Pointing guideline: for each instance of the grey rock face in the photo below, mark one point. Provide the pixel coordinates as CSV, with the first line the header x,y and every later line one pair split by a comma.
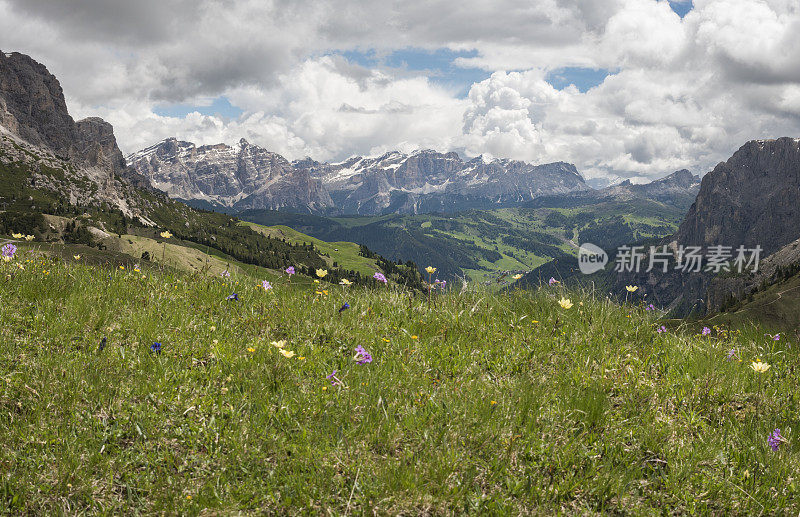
x,y
34,105
748,200
98,146
751,199
427,181
241,177
34,117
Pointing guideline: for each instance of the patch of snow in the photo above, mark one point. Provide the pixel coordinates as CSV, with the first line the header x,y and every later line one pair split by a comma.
x,y
427,188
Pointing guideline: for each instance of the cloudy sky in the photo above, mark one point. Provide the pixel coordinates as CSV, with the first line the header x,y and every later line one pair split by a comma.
x,y
622,88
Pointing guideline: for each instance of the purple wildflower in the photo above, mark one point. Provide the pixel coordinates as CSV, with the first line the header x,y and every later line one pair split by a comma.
x,y
225,274
650,307
344,307
266,285
706,331
9,250
380,278
290,270
362,356
552,281
233,297
775,439
731,354
334,380
661,329
156,348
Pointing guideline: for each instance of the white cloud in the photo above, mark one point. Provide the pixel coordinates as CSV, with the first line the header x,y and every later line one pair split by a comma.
x,y
683,92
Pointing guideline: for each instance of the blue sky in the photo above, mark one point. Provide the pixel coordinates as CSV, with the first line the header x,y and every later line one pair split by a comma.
x,y
681,7
220,106
438,65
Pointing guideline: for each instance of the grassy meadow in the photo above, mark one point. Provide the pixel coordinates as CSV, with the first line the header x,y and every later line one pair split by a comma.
x,y
474,402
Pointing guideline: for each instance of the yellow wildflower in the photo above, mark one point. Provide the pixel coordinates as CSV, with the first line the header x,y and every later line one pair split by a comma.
x,y
322,272
430,269
287,353
279,344
166,234
251,349
631,288
565,303
16,235
29,238
76,257
345,281
517,276
759,366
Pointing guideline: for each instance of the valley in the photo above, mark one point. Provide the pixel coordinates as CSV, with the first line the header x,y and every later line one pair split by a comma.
x,y
484,245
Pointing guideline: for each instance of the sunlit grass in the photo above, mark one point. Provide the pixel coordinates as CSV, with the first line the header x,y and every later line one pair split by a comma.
x,y
478,402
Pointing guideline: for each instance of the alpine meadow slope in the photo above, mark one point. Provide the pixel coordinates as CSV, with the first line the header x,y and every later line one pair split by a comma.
x,y
161,392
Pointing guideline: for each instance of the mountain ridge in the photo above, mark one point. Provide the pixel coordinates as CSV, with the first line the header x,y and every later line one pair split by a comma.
x,y
423,181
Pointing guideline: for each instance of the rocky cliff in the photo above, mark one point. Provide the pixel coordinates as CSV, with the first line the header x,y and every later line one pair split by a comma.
x,y
80,161
750,199
241,177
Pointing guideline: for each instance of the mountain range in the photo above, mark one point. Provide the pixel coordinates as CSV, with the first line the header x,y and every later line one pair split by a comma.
x,y
246,177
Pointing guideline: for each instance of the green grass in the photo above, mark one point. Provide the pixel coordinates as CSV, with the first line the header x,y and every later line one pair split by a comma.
x,y
345,254
505,403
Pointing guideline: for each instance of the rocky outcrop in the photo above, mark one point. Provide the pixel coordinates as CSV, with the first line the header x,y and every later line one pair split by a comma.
x,y
241,177
97,145
751,199
79,160
33,104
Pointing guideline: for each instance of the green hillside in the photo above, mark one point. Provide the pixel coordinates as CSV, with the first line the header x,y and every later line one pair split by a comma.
x,y
482,245
473,403
342,254
776,306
